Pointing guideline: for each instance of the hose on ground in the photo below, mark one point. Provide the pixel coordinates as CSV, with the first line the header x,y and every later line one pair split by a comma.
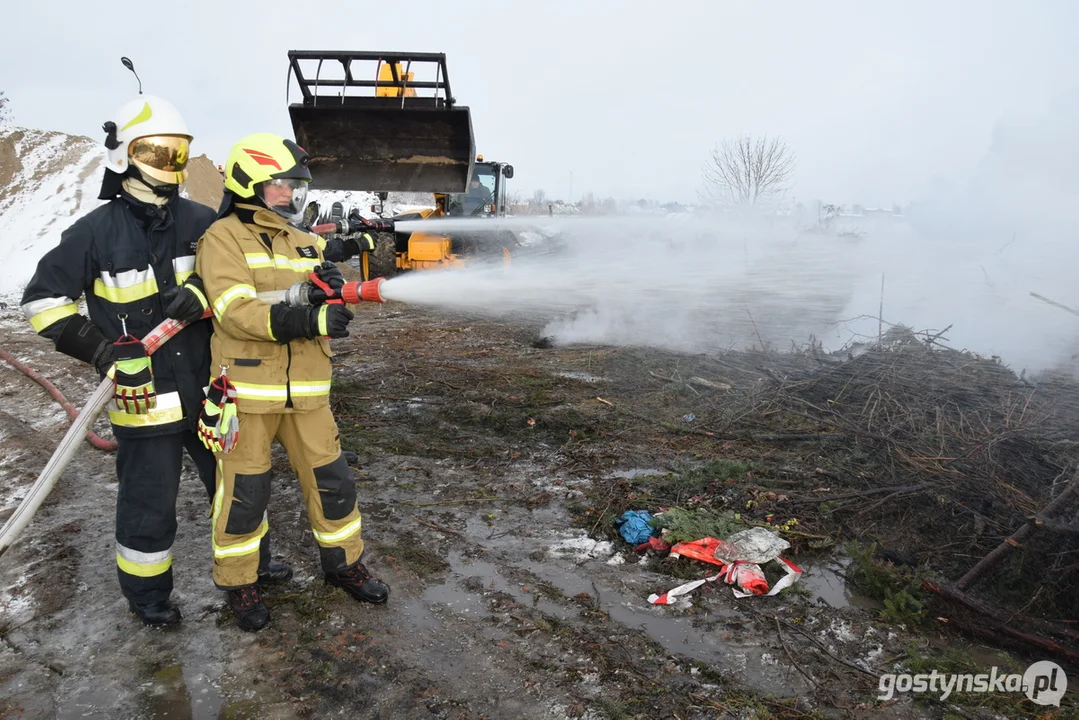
x,y
72,413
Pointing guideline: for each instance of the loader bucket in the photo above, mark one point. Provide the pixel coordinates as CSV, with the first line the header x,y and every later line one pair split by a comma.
x,y
375,144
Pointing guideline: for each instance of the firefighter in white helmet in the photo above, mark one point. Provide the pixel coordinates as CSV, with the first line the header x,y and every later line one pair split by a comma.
x,y
133,258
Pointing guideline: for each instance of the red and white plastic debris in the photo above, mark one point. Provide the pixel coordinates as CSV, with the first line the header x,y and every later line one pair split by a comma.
x,y
741,556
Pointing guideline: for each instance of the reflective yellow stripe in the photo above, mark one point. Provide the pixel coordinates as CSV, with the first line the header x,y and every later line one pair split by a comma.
x,y
143,564
321,243
44,319
335,537
258,260
168,410
219,493
131,293
254,391
202,298
183,267
245,548
141,570
310,389
127,286
322,311
298,264
281,262
236,291
269,326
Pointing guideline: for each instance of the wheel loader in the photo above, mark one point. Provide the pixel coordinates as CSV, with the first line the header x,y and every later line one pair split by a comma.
x,y
370,121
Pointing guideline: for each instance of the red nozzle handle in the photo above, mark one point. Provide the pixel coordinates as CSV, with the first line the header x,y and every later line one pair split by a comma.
x,y
367,291
324,229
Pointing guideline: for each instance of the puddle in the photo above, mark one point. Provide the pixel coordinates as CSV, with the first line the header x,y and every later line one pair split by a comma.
x,y
826,582
177,692
472,579
530,543
687,636
171,693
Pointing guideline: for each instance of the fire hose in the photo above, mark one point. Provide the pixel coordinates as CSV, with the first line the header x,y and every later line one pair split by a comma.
x,y
72,439
72,413
310,292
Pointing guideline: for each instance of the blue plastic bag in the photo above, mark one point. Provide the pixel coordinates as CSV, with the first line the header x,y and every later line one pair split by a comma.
x,y
634,527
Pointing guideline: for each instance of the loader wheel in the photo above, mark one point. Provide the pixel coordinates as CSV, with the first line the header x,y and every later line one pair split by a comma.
x,y
383,261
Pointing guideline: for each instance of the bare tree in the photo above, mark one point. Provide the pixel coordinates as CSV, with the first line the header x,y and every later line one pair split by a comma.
x,y
517,205
745,171
5,111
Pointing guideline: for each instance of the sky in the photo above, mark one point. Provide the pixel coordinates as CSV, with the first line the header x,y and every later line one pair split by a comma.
x,y
881,102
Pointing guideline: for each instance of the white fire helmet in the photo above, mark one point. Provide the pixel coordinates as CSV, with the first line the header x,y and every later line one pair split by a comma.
x,y
150,134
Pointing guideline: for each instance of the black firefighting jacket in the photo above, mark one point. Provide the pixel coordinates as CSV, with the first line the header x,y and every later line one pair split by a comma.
x,y
128,259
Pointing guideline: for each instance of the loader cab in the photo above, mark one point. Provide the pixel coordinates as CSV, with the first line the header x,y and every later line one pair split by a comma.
x,y
486,194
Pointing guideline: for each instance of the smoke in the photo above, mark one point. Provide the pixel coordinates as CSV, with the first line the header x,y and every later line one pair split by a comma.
x,y
965,259
686,283
974,253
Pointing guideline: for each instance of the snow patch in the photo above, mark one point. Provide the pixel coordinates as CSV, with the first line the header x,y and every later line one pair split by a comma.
x,y
842,631
580,546
16,603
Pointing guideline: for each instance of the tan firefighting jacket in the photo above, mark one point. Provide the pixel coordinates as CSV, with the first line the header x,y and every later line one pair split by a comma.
x,y
250,251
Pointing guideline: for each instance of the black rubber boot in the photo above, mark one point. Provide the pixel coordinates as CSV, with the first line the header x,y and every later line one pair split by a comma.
x,y
158,614
275,573
360,585
247,606
271,572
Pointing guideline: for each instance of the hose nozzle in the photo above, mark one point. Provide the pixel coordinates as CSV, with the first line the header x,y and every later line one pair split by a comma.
x,y
367,291
353,293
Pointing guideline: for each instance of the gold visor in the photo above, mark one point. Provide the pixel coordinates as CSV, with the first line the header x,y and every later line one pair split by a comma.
x,y
162,157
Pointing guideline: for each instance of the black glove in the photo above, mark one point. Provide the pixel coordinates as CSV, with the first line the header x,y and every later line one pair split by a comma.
x,y
331,321
290,323
329,284
355,244
82,340
104,357
190,304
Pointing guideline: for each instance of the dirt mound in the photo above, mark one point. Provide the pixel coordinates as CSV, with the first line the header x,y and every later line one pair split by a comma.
x,y
9,160
204,183
30,157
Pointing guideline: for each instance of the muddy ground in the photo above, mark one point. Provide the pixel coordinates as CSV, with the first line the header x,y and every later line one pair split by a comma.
x,y
489,475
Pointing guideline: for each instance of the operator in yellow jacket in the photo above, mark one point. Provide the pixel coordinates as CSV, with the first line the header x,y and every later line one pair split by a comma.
x,y
271,367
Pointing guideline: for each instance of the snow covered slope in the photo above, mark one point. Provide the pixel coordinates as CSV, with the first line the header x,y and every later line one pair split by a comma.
x,y
48,180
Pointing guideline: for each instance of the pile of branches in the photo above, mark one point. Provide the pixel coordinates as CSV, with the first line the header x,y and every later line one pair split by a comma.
x,y
953,448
